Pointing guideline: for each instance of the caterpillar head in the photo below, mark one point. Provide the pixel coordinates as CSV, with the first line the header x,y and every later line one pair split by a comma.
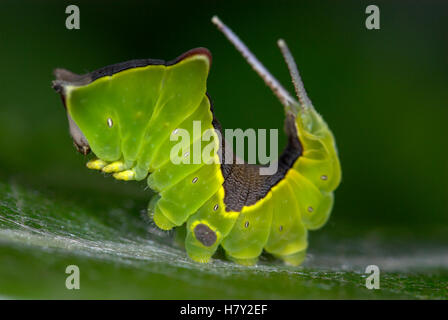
x,y
91,120
64,77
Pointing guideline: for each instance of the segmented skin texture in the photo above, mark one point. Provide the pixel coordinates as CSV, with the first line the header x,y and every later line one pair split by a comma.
x,y
127,114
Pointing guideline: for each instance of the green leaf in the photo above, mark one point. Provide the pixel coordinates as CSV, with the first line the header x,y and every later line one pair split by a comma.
x,y
121,255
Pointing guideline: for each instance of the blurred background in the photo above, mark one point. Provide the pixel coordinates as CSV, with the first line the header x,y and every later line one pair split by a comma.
x,y
384,94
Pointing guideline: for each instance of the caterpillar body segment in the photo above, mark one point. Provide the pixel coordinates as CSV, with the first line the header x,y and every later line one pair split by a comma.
x,y
185,198
208,227
133,115
288,234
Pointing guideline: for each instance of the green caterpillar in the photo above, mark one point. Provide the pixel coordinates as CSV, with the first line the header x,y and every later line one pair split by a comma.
x,y
128,113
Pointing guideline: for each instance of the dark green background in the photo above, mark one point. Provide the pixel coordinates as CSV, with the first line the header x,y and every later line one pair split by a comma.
x,y
384,94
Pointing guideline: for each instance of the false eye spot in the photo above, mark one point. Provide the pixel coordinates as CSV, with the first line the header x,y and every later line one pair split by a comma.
x,y
215,207
110,122
310,209
195,179
323,177
205,235
246,224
